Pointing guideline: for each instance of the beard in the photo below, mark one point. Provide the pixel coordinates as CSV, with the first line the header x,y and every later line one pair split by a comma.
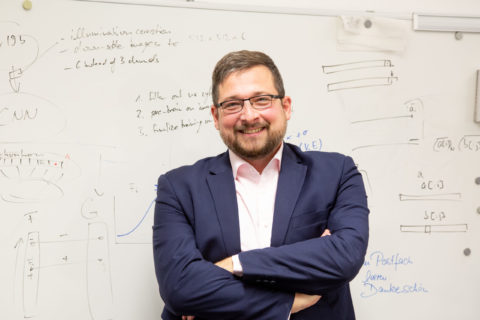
x,y
257,149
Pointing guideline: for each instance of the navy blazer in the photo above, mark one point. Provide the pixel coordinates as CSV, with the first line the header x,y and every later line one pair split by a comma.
x,y
196,224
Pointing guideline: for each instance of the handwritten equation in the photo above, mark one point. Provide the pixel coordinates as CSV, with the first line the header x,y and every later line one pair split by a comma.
x,y
467,143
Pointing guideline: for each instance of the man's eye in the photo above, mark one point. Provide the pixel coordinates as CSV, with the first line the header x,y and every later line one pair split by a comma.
x,y
262,100
232,105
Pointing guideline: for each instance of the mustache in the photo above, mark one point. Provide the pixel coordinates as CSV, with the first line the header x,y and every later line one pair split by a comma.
x,y
247,126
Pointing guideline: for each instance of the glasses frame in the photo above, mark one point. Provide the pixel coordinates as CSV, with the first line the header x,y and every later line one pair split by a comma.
x,y
242,102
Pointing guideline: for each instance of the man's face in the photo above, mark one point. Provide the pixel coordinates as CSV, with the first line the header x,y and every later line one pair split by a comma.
x,y
252,134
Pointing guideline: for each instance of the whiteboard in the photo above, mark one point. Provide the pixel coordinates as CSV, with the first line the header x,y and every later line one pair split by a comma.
x,y
97,100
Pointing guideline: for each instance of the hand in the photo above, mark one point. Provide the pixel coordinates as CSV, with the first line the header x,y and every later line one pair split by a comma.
x,y
188,317
303,301
226,264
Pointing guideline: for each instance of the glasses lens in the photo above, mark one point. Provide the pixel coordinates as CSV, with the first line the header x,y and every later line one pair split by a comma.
x,y
232,106
261,101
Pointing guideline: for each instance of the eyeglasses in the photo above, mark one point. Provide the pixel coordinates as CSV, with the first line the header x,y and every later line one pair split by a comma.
x,y
260,102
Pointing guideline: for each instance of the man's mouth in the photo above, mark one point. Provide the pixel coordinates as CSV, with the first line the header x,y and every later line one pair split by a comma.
x,y
250,131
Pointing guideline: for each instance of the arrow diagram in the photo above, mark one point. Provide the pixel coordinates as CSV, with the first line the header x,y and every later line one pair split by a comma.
x,y
13,76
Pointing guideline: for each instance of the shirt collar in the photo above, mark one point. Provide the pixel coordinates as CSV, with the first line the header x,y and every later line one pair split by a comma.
x,y
236,162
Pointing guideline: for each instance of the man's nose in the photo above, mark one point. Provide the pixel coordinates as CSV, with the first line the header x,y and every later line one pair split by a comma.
x,y
248,113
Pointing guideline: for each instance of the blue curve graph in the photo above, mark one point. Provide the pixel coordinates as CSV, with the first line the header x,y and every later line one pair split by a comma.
x,y
141,220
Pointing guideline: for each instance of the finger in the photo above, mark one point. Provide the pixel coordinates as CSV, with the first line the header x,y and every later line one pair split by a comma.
x,y
326,233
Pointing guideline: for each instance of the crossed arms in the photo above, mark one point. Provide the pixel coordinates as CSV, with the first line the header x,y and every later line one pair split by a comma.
x,y
191,285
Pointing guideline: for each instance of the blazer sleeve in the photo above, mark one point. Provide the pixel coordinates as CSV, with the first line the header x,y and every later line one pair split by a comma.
x,y
190,285
319,265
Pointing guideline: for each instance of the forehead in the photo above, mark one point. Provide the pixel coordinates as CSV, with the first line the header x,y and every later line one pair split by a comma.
x,y
257,79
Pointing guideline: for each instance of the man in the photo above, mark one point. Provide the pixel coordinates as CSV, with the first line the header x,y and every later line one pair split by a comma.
x,y
246,234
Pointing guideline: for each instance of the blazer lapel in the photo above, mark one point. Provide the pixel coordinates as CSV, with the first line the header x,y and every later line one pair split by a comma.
x,y
290,182
222,187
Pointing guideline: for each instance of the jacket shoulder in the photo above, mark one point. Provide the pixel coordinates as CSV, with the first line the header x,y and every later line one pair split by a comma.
x,y
200,168
321,158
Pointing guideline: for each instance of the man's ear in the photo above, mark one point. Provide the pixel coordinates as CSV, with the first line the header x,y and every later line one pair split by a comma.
x,y
214,111
287,106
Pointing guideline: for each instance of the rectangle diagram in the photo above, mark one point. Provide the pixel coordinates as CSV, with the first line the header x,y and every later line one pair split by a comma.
x,y
431,197
427,228
361,83
381,63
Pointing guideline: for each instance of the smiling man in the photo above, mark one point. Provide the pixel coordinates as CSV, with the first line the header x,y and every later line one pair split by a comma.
x,y
254,132
264,230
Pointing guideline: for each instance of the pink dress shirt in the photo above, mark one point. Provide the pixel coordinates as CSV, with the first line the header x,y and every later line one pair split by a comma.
x,y
256,202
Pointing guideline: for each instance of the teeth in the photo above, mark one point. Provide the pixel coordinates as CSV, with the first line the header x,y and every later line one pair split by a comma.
x,y
253,130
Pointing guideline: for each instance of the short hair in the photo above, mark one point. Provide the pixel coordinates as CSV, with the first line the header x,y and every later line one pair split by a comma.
x,y
242,60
